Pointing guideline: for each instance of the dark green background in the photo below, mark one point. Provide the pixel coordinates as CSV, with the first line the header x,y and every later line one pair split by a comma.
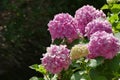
x,y
23,32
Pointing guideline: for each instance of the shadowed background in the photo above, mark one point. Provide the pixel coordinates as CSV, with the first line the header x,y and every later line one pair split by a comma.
x,y
23,32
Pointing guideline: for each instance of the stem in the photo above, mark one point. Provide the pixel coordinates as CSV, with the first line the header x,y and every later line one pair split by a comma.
x,y
63,41
88,72
76,69
59,76
47,77
87,69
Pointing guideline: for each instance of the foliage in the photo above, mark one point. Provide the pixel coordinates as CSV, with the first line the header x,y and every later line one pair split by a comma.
x,y
38,68
113,15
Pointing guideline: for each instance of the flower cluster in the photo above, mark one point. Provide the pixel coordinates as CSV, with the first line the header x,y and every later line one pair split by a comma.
x,y
63,26
85,15
78,51
97,25
103,44
56,59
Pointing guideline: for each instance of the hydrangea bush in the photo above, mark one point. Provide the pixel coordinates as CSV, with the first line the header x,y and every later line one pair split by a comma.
x,y
87,50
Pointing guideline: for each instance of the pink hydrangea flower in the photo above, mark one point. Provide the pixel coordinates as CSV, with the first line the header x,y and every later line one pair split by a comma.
x,y
56,59
97,25
63,26
103,44
99,14
85,15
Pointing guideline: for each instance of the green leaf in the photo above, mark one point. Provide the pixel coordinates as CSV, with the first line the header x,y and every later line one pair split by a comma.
x,y
95,62
113,18
36,78
94,74
118,26
55,77
115,8
39,68
115,63
57,41
76,41
100,78
85,77
75,65
80,75
105,7
66,74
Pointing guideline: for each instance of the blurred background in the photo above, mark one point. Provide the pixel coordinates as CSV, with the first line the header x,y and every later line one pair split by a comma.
x,y
24,35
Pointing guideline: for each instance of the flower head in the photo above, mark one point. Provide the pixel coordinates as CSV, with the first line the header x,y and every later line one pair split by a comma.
x,y
78,51
103,44
85,15
97,25
63,26
56,59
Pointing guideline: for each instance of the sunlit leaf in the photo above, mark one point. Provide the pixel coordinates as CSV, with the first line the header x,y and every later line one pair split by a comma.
x,y
105,7
113,18
118,26
80,75
115,8
38,68
36,78
95,62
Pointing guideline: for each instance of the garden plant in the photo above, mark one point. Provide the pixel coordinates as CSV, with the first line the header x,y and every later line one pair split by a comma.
x,y
84,47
